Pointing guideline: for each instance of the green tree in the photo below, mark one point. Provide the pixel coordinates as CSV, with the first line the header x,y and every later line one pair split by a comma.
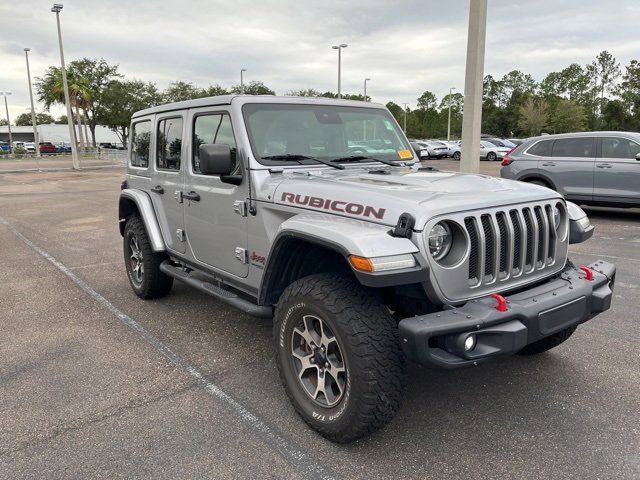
x,y
304,92
121,99
427,100
629,90
3,122
533,116
568,116
180,91
24,119
62,120
254,87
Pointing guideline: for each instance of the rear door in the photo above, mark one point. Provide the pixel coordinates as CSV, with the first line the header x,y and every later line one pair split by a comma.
x,y
617,173
571,166
168,179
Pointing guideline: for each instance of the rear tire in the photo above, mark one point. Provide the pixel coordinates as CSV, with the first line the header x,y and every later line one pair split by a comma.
x,y
363,378
456,156
142,264
492,157
548,343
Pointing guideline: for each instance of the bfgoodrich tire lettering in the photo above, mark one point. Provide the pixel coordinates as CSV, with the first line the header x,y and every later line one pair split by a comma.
x,y
367,337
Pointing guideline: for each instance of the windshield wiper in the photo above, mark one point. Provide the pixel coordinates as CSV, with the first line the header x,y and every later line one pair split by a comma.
x,y
298,158
357,158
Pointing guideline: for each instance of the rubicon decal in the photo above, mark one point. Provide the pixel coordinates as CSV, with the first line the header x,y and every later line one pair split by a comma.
x,y
334,205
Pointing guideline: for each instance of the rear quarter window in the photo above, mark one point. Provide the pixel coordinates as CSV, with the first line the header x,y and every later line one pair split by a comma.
x,y
581,147
140,141
541,149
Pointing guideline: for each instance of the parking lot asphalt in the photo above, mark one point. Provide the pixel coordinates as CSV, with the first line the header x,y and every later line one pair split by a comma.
x,y
96,383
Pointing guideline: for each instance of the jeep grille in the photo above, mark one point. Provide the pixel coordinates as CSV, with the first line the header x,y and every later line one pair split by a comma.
x,y
507,247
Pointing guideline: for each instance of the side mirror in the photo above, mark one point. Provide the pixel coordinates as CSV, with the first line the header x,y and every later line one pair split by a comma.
x,y
215,159
638,157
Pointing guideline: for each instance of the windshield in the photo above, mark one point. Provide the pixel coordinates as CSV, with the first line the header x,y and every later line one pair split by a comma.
x,y
323,131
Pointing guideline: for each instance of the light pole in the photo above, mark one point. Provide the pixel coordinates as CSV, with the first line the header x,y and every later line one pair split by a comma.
x,y
365,88
242,70
449,124
405,117
33,110
472,116
6,106
339,48
72,134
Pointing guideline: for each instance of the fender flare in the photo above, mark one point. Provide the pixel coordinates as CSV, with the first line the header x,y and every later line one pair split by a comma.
x,y
539,176
145,209
346,237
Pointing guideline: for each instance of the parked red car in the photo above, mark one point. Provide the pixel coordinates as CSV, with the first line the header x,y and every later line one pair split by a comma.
x,y
47,147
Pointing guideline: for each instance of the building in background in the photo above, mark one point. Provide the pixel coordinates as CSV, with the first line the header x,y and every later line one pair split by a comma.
x,y
55,133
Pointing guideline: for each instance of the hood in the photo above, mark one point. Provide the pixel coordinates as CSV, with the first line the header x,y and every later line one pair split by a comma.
x,y
383,197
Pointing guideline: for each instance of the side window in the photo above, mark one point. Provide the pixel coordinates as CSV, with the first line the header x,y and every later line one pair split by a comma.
x,y
573,147
169,143
140,139
213,128
541,149
616,147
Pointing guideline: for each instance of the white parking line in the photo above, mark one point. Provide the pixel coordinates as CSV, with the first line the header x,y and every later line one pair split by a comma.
x,y
288,450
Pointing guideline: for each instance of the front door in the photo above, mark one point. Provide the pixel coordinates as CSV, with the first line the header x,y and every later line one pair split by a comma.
x,y
168,180
216,223
617,171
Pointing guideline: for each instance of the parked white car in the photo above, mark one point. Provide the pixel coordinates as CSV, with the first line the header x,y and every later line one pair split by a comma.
x,y
492,152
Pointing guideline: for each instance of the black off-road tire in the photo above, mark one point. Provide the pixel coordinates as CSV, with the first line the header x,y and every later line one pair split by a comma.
x,y
153,283
548,343
368,338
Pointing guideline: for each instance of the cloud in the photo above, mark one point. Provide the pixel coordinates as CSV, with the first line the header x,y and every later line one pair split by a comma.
x,y
405,47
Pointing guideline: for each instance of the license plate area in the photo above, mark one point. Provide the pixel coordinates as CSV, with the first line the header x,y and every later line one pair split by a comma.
x,y
561,317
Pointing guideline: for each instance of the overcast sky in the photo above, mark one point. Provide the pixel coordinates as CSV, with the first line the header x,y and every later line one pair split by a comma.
x,y
404,46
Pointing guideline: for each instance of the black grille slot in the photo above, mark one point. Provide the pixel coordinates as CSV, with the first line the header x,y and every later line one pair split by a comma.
x,y
502,227
517,239
489,241
552,233
529,226
470,225
542,235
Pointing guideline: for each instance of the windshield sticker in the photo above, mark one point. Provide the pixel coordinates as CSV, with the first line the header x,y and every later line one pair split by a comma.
x,y
404,154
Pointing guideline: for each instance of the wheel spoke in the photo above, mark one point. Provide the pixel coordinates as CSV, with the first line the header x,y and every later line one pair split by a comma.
x,y
306,336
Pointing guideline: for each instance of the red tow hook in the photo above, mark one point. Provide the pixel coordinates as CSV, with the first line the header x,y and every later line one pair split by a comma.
x,y
588,273
502,303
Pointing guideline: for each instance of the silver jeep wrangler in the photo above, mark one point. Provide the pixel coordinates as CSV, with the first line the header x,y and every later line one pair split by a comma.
x,y
317,213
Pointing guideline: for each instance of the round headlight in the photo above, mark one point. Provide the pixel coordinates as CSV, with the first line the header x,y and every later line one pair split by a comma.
x,y
556,217
440,240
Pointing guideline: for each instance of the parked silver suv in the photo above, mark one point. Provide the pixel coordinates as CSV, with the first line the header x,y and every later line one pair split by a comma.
x,y
594,168
316,213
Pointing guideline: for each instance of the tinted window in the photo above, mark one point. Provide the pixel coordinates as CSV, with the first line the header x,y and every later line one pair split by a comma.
x,y
140,138
169,143
214,128
541,149
615,147
573,147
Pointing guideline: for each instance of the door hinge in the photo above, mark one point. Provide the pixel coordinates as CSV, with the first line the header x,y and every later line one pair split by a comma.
x,y
240,207
241,254
178,196
180,235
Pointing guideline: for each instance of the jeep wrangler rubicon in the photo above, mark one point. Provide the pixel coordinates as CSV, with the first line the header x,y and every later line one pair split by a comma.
x,y
316,212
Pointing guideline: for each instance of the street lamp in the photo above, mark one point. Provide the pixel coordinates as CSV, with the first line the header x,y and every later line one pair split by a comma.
x,y
406,105
242,70
365,88
449,124
72,134
339,48
6,106
33,110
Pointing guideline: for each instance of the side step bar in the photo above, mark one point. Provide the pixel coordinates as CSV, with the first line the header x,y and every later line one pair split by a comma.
x,y
220,293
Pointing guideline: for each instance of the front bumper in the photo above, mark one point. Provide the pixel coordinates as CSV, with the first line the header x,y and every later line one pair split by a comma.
x,y
437,339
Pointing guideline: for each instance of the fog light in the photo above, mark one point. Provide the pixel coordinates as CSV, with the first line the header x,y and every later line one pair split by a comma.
x,y
469,343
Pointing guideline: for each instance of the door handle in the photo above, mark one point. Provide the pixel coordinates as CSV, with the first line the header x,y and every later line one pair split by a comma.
x,y
193,196
158,189
549,164
603,165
